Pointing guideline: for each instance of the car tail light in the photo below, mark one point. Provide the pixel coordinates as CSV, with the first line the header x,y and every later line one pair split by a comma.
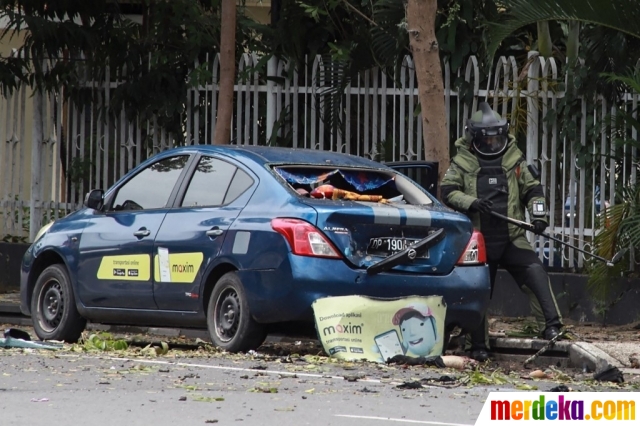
x,y
475,253
304,238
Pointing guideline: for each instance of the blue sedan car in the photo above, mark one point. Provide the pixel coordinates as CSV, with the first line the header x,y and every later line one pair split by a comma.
x,y
234,239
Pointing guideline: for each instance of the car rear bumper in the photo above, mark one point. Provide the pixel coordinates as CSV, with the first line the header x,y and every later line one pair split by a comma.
x,y
287,293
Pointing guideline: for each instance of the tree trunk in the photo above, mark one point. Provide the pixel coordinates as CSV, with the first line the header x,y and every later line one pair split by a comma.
x,y
421,19
545,44
227,72
573,42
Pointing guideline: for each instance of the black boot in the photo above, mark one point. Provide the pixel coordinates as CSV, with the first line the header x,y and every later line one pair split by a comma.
x,y
480,354
551,333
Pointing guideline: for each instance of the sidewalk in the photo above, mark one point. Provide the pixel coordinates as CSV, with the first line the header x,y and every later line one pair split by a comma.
x,y
618,346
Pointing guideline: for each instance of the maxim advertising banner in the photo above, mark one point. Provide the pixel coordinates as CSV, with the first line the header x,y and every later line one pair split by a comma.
x,y
358,327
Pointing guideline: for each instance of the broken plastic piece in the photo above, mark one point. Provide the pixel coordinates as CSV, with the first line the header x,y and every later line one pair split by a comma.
x,y
10,342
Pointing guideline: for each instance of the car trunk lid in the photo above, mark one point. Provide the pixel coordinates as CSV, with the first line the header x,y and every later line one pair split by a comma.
x,y
367,232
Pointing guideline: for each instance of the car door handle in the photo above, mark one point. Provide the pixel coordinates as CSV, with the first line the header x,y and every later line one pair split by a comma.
x,y
212,233
142,232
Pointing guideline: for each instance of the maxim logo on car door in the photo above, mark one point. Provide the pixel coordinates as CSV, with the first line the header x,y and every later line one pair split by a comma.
x,y
176,267
135,267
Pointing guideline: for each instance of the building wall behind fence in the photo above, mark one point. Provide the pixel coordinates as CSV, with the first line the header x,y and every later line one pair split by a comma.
x,y
379,119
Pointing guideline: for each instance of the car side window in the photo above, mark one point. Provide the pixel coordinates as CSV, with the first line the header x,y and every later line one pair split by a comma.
x,y
151,188
209,183
240,183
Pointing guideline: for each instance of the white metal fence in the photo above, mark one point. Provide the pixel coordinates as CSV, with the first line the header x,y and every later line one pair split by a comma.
x,y
54,152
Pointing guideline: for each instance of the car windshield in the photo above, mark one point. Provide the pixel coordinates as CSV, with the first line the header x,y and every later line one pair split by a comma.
x,y
352,184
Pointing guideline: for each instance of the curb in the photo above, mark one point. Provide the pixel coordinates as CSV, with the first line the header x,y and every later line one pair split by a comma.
x,y
583,355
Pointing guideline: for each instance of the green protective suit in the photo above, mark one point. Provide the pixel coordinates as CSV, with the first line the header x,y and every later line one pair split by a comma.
x,y
511,186
459,185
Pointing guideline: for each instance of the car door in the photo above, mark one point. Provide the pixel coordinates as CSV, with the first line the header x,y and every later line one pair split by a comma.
x,y
424,173
115,249
192,233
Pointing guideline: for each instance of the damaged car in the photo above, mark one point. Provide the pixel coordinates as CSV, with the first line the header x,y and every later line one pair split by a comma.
x,y
236,238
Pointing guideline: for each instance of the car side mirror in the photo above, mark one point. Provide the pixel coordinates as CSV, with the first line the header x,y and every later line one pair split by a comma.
x,y
94,199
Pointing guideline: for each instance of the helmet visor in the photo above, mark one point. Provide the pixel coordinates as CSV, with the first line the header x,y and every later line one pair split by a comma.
x,y
490,144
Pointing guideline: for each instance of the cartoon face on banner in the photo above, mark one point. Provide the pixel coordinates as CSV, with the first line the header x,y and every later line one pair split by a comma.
x,y
358,327
417,328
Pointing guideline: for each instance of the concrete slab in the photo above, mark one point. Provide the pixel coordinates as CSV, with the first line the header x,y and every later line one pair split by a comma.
x,y
621,351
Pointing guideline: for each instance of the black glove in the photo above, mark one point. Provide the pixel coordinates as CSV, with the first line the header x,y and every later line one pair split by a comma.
x,y
481,205
539,226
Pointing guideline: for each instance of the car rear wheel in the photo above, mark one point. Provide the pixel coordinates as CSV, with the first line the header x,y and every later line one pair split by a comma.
x,y
228,317
53,307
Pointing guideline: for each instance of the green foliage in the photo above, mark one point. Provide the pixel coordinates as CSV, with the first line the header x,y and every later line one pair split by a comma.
x,y
79,170
102,342
461,29
622,16
619,229
71,42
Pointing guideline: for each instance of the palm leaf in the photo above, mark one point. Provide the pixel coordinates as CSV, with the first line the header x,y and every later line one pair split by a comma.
x,y
619,228
622,15
335,77
631,80
389,39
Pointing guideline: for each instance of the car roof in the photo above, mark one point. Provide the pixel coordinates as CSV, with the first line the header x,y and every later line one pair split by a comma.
x,y
279,155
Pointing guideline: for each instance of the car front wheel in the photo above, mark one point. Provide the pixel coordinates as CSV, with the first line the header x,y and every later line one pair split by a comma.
x,y
228,318
53,307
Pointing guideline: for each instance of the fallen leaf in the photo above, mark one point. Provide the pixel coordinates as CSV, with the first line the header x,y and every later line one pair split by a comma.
x,y
201,398
526,387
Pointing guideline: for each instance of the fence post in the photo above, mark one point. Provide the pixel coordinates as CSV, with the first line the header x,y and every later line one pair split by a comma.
x,y
35,208
272,70
532,107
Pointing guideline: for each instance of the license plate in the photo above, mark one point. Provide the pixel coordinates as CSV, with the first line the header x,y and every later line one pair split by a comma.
x,y
386,246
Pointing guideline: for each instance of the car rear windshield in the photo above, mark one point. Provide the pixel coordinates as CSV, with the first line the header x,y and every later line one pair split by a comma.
x,y
353,184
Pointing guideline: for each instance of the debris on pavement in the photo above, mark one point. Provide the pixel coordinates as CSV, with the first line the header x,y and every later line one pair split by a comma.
x,y
608,373
444,361
538,374
16,333
39,399
15,338
435,361
410,385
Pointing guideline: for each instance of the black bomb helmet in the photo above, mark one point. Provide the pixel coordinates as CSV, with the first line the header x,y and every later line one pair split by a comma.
x,y
488,131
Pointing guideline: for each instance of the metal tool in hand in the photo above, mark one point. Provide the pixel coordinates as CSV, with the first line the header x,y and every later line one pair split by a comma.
x,y
529,227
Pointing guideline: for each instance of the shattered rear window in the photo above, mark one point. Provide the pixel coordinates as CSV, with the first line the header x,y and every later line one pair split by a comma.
x,y
352,184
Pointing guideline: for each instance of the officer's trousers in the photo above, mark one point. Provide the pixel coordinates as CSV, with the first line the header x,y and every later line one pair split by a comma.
x,y
519,259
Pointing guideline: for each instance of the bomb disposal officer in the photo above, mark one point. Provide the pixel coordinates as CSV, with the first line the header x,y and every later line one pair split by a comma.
x,y
488,173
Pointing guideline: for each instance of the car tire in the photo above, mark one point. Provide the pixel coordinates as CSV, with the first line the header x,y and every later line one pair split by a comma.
x,y
229,320
53,307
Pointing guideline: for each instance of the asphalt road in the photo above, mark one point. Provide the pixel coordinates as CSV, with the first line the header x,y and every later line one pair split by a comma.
x,y
192,384
56,389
